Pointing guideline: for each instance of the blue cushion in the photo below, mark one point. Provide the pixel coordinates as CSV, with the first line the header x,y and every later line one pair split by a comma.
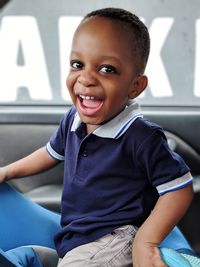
x,y
176,240
18,257
175,258
23,222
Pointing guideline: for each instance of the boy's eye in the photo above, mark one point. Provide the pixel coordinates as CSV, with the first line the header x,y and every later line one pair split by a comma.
x,y
108,69
75,64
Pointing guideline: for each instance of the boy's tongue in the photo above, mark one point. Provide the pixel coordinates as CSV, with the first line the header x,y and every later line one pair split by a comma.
x,y
91,103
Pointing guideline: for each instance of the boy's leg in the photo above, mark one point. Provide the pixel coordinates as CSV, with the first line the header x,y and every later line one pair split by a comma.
x,y
48,256
112,250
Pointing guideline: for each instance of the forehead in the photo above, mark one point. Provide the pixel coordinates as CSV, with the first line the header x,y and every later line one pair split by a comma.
x,y
104,23
106,33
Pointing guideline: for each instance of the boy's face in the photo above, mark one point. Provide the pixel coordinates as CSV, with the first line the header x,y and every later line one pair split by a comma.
x,y
102,76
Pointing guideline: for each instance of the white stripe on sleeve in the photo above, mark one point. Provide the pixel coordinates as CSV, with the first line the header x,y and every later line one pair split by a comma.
x,y
53,153
176,184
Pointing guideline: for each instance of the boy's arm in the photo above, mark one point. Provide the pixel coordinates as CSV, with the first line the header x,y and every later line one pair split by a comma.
x,y
36,162
168,210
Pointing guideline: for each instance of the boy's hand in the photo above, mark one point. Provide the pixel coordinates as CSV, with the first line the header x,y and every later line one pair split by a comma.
x,y
146,254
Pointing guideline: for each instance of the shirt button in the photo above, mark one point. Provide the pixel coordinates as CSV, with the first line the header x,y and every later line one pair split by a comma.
x,y
85,154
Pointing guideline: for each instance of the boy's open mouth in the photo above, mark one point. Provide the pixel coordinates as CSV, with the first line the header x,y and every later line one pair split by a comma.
x,y
89,105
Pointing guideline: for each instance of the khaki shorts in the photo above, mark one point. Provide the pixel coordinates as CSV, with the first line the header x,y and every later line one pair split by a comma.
x,y
114,249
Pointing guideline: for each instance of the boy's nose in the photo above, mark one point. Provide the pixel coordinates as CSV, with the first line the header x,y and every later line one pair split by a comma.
x,y
86,78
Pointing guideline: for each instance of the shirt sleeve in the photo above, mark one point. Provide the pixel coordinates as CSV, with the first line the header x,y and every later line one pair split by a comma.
x,y
52,152
165,169
56,145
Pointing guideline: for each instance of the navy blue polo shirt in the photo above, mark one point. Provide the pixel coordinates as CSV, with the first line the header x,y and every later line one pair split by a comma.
x,y
113,176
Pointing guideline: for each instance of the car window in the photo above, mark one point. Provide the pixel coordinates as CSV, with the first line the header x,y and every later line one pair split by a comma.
x,y
35,39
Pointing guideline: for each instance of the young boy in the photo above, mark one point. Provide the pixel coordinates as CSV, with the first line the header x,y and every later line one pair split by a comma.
x,y
124,189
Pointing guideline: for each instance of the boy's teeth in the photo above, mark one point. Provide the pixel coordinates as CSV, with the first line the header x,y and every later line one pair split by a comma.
x,y
87,97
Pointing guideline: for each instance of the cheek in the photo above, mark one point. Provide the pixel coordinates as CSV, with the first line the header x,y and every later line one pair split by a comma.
x,y
118,94
70,82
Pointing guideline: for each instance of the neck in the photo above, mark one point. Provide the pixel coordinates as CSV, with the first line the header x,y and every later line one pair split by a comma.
x,y
91,128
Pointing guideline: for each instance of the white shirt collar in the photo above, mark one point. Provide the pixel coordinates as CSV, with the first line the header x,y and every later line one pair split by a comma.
x,y
118,125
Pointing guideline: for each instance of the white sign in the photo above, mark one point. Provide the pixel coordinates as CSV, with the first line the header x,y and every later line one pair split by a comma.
x,y
21,35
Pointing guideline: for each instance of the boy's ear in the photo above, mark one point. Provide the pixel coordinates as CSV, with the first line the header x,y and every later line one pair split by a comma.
x,y
139,84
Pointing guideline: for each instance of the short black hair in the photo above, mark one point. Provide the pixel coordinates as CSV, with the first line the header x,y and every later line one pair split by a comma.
x,y
140,31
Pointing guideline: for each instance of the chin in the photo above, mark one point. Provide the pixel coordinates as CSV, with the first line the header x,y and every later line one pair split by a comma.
x,y
90,120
